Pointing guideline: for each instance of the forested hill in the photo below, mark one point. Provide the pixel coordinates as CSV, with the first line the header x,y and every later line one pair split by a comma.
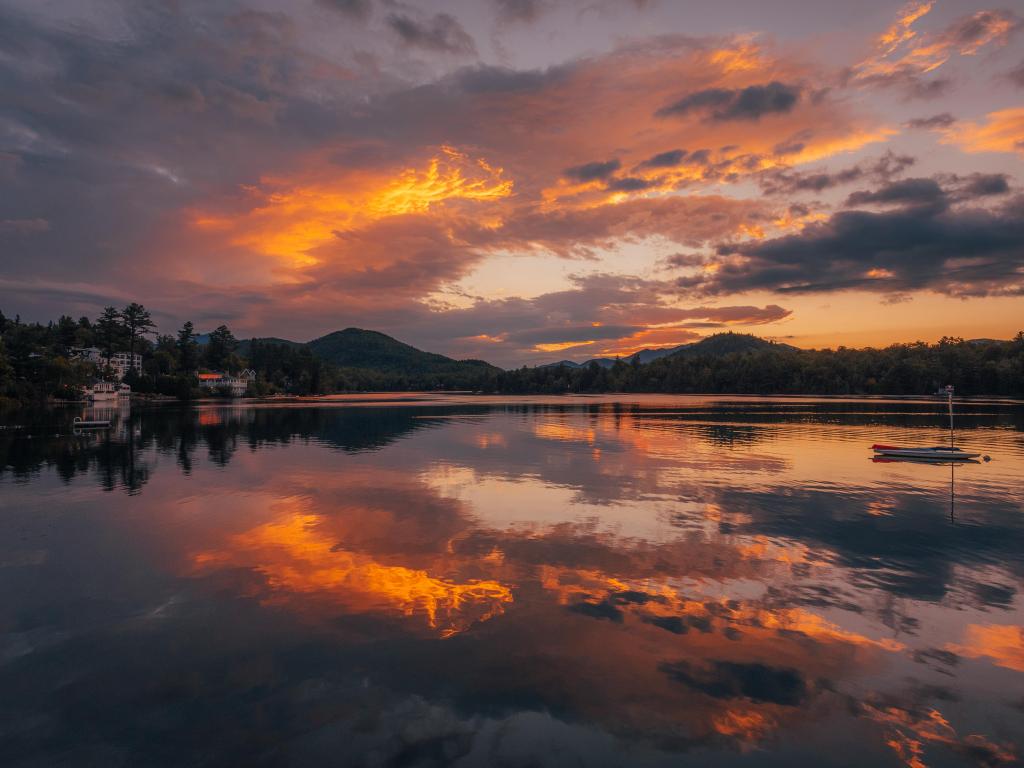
x,y
358,348
731,363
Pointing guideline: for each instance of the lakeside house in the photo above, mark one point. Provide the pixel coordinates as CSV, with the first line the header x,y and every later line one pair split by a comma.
x,y
120,362
238,385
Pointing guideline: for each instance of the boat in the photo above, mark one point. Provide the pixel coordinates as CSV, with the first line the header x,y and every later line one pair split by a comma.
x,y
934,453
942,453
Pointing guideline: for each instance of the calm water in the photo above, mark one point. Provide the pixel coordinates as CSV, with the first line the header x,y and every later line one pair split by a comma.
x,y
479,582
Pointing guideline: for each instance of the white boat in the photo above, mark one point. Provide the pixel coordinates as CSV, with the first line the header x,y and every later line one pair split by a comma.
x,y
929,453
935,453
124,390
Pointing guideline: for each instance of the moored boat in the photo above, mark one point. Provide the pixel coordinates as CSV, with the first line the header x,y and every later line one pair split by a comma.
x,y
934,453
929,453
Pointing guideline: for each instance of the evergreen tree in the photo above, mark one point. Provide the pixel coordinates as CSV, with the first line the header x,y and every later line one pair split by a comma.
x,y
110,332
188,348
137,322
221,347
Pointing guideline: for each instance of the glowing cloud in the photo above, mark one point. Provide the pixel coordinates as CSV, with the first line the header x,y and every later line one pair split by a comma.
x,y
290,218
1002,131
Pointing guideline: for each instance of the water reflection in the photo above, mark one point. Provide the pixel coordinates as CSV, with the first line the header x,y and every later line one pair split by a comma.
x,y
660,582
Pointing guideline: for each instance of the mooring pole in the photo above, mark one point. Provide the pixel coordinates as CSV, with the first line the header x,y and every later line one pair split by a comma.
x,y
949,394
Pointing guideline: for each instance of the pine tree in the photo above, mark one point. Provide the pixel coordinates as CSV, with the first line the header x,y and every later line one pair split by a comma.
x,y
137,322
110,331
188,349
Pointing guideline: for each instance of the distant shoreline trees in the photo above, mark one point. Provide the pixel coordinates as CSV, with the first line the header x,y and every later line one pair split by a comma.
x,y
38,362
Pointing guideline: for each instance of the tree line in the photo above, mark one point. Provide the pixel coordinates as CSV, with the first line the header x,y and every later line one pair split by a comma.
x,y
38,362
973,367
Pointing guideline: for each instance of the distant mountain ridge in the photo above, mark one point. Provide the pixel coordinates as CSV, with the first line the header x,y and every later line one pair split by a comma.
x,y
358,348
374,351
717,345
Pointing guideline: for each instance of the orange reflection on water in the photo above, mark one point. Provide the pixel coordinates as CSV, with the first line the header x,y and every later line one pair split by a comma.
x,y
296,557
907,733
661,599
1002,643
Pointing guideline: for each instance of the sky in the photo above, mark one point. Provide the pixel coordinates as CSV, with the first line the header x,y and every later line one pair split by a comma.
x,y
518,180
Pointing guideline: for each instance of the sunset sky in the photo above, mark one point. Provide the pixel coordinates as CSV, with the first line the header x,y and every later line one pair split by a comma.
x,y
518,180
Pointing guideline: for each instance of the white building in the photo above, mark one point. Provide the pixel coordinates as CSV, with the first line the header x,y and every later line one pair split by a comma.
x,y
239,384
120,362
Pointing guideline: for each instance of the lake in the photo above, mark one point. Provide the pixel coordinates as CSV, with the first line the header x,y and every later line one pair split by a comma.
x,y
420,580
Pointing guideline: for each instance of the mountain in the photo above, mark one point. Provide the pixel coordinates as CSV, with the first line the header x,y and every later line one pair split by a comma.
x,y
722,344
718,345
646,355
357,348
561,364
246,344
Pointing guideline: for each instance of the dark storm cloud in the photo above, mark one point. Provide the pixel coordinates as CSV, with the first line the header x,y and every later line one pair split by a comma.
x,y
599,169
669,159
733,680
700,157
941,120
442,32
902,192
488,79
631,184
961,251
789,182
985,184
358,9
749,103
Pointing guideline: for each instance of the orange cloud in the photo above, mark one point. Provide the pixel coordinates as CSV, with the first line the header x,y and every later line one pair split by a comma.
x,y
1003,644
1002,131
290,218
902,53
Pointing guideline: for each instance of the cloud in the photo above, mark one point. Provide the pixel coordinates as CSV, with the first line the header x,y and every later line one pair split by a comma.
x,y
941,120
750,103
735,680
441,32
904,57
903,192
954,250
593,171
23,226
519,10
630,184
1001,131
357,9
669,159
985,184
788,182
1016,75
